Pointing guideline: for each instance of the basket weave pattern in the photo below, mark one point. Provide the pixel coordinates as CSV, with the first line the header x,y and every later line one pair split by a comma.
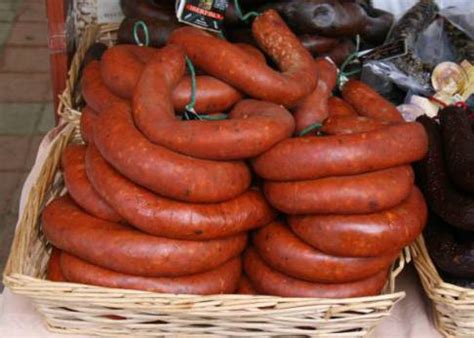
x,y
453,306
76,308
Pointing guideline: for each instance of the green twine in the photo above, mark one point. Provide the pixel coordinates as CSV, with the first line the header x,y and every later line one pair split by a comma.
x,y
144,27
190,112
240,14
342,77
310,128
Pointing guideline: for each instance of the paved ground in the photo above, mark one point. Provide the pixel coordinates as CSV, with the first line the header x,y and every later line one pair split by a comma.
x,y
26,110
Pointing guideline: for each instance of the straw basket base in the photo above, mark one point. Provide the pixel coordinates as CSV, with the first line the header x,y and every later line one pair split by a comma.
x,y
453,306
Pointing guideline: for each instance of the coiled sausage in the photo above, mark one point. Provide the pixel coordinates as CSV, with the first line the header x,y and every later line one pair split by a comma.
x,y
245,286
88,118
254,126
367,102
342,125
285,252
96,95
223,279
314,108
123,249
122,66
306,158
339,107
355,194
79,186
54,272
173,219
229,63
271,282
161,170
364,235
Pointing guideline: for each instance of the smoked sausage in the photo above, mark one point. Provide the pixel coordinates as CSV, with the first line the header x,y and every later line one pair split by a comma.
x,y
121,248
212,95
284,251
342,125
255,126
160,216
339,107
54,272
306,158
314,108
79,186
223,279
122,66
367,102
455,207
229,63
96,95
458,141
161,170
271,282
355,194
245,286
364,235
88,118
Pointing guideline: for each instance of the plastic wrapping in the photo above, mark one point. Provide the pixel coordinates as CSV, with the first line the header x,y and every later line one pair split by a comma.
x,y
444,38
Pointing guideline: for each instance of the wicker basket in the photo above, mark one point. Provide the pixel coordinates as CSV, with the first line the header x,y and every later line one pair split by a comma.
x,y
453,306
76,308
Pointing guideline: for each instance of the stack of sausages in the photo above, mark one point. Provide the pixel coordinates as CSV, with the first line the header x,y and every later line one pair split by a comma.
x,y
349,197
162,204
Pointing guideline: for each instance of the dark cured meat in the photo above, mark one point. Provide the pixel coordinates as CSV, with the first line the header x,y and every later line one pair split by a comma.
x,y
452,250
458,141
454,207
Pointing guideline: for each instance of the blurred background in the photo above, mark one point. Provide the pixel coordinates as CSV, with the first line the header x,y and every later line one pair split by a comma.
x,y
26,108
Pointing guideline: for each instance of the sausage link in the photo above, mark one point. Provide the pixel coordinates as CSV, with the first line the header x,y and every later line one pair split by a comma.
x,y
88,119
355,194
339,107
314,108
212,95
160,216
161,170
79,186
307,158
367,102
123,249
342,125
284,251
223,279
54,272
253,51
231,64
364,235
245,286
122,66
271,282
96,95
254,126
